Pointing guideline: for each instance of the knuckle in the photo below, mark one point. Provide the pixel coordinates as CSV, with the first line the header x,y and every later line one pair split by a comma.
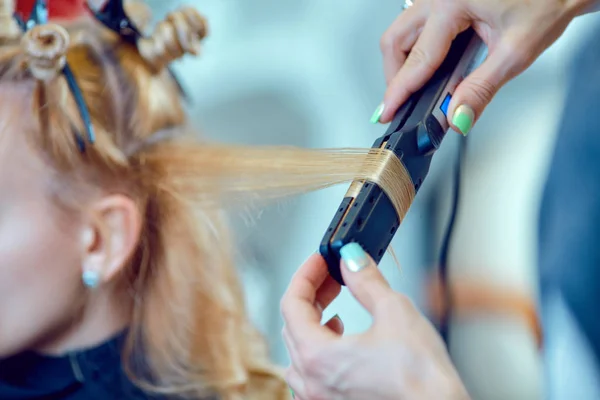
x,y
289,375
420,58
310,358
482,90
387,43
394,302
314,392
399,90
521,59
283,306
518,57
444,5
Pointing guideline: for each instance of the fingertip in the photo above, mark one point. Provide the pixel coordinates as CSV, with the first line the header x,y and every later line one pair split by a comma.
x,y
391,100
314,262
362,277
377,114
386,116
395,96
306,280
386,113
354,258
463,119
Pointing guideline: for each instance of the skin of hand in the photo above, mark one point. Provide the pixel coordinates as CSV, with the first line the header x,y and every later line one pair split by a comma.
x,y
400,356
516,33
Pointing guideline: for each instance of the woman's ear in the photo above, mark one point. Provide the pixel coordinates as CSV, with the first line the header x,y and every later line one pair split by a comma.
x,y
109,237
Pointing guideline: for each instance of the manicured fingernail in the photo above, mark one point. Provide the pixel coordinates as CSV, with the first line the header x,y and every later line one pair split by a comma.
x,y
377,114
463,119
355,258
293,394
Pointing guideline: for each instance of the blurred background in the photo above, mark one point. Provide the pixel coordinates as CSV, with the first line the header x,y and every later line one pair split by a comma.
x,y
309,73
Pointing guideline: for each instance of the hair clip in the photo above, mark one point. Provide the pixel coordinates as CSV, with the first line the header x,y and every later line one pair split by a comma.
x,y
38,16
114,17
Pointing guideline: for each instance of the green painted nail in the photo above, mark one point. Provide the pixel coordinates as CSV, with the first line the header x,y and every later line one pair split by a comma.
x,y
355,258
463,119
377,113
293,394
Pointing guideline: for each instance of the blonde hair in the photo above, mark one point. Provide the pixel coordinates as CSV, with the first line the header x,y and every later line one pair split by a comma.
x,y
189,315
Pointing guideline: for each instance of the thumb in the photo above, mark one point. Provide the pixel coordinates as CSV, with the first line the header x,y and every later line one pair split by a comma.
x,y
473,94
363,279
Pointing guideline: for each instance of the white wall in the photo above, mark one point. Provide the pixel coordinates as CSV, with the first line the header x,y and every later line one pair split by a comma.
x,y
309,73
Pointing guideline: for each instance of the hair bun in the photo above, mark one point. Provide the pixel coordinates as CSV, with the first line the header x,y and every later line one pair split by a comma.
x,y
46,48
179,34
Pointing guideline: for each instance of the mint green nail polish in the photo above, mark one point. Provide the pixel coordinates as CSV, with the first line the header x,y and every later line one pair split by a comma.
x,y
355,258
463,119
293,394
377,114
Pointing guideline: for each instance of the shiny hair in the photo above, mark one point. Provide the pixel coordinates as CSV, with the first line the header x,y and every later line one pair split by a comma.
x,y
189,317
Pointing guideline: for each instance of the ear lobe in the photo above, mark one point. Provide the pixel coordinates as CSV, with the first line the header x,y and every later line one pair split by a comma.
x,y
110,236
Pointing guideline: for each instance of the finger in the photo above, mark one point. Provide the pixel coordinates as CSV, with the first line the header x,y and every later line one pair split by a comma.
x,y
328,292
473,94
308,279
363,279
399,38
424,59
289,344
301,316
296,384
336,325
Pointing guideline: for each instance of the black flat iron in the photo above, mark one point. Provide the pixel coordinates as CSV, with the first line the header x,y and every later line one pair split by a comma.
x,y
367,216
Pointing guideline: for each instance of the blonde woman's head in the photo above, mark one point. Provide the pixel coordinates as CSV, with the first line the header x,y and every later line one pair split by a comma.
x,y
131,233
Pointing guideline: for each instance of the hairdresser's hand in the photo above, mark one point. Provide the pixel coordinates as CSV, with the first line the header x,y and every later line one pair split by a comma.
x,y
401,356
515,31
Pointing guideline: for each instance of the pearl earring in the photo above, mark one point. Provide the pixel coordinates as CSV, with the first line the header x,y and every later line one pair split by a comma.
x,y
90,279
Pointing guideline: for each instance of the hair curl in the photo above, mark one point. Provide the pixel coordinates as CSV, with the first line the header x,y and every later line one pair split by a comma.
x,y
180,33
45,48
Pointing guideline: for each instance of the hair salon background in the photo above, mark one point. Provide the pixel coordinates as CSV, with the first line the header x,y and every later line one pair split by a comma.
x,y
309,73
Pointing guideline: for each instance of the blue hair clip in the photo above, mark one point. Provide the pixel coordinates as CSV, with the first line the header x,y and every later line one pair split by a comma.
x,y
113,16
38,16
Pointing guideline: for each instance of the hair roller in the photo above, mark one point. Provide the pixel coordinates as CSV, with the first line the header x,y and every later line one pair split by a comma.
x,y
9,29
45,48
179,34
